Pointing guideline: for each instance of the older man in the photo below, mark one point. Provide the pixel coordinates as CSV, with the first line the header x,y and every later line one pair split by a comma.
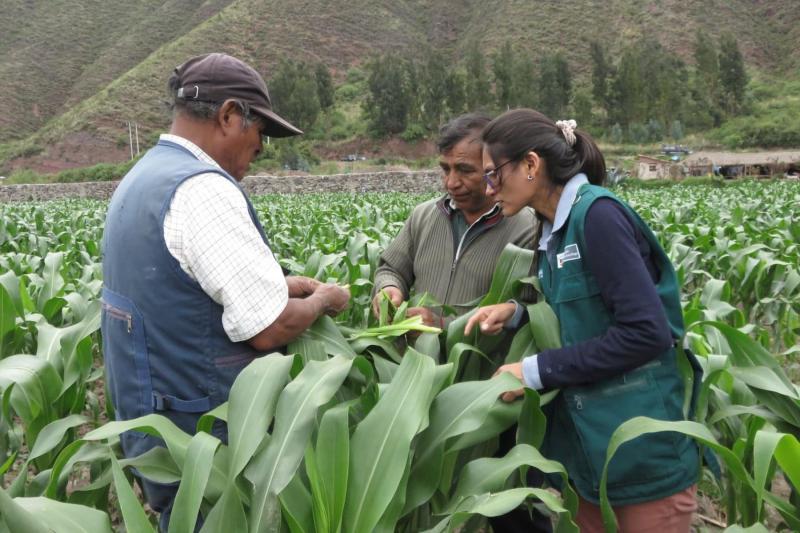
x,y
449,246
192,292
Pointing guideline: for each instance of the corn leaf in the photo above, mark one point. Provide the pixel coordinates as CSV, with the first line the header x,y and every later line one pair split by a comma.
x,y
274,467
133,514
297,506
381,438
332,466
251,404
459,409
228,513
196,472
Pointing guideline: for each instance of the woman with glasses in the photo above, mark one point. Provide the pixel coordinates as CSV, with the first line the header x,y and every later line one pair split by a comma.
x,y
615,293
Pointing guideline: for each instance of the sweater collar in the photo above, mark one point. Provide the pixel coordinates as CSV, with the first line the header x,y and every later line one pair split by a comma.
x,y
448,208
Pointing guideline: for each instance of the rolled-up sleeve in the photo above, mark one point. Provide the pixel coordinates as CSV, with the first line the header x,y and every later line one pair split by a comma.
x,y
223,251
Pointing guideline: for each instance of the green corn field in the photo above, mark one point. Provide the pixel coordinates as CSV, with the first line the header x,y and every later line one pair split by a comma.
x,y
365,427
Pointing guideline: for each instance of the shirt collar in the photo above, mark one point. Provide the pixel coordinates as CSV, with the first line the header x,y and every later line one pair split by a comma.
x,y
449,207
189,145
563,208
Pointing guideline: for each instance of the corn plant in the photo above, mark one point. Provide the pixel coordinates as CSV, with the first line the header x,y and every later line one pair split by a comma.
x,y
312,459
49,313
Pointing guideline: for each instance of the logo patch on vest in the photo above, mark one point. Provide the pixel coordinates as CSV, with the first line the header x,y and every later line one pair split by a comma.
x,y
570,253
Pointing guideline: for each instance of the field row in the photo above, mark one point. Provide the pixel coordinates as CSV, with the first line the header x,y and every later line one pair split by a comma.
x,y
736,253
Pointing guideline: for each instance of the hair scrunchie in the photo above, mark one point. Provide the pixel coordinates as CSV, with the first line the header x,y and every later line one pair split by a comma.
x,y
567,127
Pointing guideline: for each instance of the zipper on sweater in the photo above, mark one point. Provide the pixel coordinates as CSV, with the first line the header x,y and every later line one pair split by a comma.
x,y
456,258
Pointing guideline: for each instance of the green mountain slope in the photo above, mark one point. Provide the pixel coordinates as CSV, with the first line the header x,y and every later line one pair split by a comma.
x,y
56,53
71,76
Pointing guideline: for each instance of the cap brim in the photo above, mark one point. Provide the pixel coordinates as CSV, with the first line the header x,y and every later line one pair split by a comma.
x,y
276,126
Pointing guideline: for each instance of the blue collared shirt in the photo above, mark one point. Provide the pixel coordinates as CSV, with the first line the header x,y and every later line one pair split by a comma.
x,y
530,365
620,258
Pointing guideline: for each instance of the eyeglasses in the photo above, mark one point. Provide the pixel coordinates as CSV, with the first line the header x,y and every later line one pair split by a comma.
x,y
493,179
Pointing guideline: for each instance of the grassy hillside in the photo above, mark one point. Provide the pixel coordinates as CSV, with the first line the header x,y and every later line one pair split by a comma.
x,y
72,76
55,53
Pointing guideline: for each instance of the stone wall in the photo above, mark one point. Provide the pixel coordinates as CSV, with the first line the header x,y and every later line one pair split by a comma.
x,y
413,182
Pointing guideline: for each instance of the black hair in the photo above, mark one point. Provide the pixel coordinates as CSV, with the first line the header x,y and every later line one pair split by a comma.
x,y
460,128
514,133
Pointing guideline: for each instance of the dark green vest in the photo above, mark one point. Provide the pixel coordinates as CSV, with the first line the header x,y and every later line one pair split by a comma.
x,y
582,418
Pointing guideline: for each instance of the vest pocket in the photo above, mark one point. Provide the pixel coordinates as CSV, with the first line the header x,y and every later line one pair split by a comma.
x,y
575,287
597,411
125,358
578,301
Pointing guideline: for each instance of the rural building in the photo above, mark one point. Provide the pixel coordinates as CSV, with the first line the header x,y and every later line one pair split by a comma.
x,y
651,168
738,164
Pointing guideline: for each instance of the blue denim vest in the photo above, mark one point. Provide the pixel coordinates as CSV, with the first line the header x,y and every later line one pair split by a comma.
x,y
164,346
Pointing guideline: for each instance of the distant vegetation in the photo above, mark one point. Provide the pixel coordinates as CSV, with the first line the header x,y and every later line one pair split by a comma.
x,y
378,81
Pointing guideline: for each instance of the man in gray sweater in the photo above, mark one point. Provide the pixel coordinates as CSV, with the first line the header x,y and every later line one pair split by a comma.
x,y
449,246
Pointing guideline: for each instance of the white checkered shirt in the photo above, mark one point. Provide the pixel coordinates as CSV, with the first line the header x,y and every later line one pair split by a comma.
x,y
208,230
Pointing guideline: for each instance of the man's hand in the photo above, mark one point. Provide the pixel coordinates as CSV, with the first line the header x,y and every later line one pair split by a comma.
x,y
515,369
334,297
491,318
301,286
429,318
395,296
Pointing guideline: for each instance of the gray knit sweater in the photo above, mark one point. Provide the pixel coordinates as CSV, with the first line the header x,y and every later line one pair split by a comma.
x,y
423,255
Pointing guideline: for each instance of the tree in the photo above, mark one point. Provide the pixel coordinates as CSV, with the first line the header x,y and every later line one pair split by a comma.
x,y
555,86
523,82
389,100
674,95
294,93
616,134
704,87
433,89
413,76
732,75
324,86
655,130
601,72
503,68
706,64
676,130
456,95
582,108
648,83
627,90
637,133
477,88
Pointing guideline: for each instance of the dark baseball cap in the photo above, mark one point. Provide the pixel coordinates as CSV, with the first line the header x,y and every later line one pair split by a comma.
x,y
217,77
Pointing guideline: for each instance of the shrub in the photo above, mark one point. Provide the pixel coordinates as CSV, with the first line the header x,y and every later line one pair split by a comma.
x,y
348,92
413,133
99,172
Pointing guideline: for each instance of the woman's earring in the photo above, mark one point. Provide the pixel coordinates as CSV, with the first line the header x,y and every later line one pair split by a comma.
x,y
530,178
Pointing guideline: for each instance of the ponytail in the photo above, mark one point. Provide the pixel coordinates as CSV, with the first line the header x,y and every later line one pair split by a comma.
x,y
592,162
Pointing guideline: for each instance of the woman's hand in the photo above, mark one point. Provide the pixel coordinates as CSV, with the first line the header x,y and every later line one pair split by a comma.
x,y
515,369
491,318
